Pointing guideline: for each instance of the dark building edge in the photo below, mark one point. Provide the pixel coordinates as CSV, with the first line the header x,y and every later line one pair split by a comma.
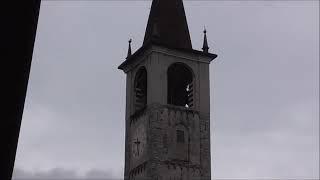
x,y
18,30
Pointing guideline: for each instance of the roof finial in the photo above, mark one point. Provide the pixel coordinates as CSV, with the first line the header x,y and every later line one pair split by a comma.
x,y
129,48
205,46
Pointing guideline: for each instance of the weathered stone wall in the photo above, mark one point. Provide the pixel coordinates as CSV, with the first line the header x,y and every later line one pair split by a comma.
x,y
170,158
205,157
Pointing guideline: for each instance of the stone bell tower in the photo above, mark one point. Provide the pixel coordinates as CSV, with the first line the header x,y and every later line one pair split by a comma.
x,y
167,100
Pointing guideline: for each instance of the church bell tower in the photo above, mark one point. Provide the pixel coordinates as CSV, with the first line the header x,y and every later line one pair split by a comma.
x,y
167,101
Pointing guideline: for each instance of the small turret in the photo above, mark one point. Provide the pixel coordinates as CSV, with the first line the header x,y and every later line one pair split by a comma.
x,y
205,46
129,48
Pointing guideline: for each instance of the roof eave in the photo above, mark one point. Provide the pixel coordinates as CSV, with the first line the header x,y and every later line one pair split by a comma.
x,y
129,59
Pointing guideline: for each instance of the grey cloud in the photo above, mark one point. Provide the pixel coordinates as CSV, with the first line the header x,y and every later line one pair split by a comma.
x,y
98,174
56,173
62,174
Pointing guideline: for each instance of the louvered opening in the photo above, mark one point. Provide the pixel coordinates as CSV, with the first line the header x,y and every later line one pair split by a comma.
x,y
140,89
180,136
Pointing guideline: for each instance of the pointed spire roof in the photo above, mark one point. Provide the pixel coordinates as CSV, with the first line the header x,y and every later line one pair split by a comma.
x,y
205,46
167,24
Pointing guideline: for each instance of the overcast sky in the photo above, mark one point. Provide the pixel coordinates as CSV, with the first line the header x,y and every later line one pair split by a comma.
x,y
264,87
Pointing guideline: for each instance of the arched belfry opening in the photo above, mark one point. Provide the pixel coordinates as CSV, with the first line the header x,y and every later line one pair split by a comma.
x,y
180,85
140,89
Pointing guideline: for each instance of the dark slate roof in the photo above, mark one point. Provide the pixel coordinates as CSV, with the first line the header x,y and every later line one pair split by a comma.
x,y
167,27
167,24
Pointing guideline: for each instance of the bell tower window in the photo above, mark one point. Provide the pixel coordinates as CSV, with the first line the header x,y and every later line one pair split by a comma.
x,y
180,85
140,89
